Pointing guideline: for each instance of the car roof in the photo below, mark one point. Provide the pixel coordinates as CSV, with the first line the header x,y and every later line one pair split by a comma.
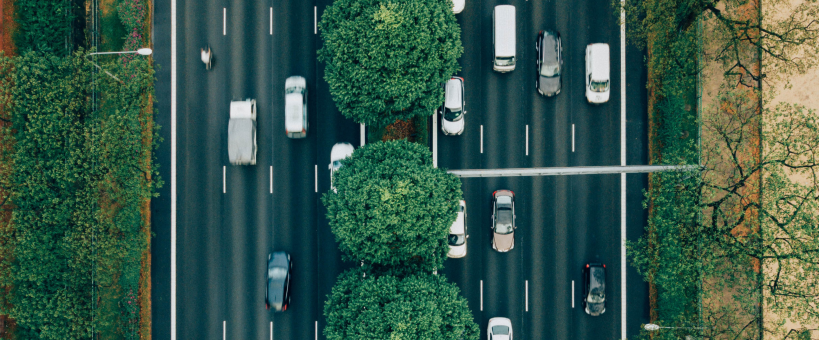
x,y
293,112
454,93
549,46
597,276
458,226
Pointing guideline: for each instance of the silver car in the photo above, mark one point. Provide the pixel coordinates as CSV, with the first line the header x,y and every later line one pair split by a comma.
x,y
503,220
453,110
340,151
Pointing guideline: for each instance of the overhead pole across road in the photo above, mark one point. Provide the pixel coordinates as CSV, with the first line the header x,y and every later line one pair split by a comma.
x,y
577,170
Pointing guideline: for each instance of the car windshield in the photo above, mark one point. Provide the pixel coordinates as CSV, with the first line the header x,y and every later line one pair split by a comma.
x,y
456,239
292,90
504,225
336,165
500,330
597,295
277,272
552,70
505,61
451,115
599,86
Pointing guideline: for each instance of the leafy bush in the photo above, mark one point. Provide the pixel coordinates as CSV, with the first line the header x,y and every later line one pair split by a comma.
x,y
387,60
392,207
421,306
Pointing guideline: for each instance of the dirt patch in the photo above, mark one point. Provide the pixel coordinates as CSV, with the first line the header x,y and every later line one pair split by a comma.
x,y
7,27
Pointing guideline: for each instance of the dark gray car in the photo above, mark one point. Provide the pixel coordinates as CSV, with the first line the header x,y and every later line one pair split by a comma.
x,y
594,288
503,220
549,63
279,271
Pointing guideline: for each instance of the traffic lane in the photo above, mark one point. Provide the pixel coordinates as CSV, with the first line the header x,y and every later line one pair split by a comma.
x,y
594,236
545,261
467,272
463,152
503,281
597,126
294,169
161,205
247,247
243,205
549,125
201,153
637,302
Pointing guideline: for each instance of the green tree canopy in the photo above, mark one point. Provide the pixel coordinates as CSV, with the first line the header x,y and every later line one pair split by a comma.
x,y
422,306
392,206
386,60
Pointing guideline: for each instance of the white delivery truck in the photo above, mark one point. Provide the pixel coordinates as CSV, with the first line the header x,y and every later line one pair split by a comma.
x,y
504,38
242,132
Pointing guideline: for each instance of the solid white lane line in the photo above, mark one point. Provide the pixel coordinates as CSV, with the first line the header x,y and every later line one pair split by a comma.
x,y
271,330
224,21
363,139
572,293
527,295
271,179
527,140
315,330
622,175
572,137
315,20
435,140
623,254
271,33
481,138
173,169
316,176
224,329
224,182
481,295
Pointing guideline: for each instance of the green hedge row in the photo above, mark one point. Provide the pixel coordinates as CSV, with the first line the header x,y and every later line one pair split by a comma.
x,y
79,176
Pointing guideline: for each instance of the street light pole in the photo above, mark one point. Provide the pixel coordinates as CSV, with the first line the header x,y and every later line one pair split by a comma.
x,y
141,51
653,327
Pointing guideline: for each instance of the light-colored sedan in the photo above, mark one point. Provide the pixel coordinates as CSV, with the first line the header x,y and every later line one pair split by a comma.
x,y
503,220
340,151
454,109
458,6
499,329
457,234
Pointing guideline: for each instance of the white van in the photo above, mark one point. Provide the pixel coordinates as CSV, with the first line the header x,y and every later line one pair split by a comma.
x,y
295,107
503,38
598,80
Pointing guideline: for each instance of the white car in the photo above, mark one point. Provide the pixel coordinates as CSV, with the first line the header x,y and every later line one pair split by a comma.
x,y
499,329
598,82
295,107
340,151
453,111
458,6
457,234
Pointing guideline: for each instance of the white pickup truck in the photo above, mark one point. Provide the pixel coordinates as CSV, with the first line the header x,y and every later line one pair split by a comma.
x,y
242,132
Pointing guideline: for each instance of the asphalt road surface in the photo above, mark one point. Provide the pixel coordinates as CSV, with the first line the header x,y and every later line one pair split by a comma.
x,y
223,238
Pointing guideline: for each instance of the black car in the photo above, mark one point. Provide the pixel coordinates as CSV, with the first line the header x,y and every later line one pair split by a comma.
x,y
549,63
594,288
279,271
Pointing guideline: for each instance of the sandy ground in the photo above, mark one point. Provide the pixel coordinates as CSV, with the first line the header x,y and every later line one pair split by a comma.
x,y
799,93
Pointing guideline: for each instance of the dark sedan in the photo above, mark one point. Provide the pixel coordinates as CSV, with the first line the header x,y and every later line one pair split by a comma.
x,y
594,288
279,271
503,220
549,63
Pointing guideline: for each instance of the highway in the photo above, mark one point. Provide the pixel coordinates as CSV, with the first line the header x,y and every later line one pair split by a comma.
x,y
227,220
